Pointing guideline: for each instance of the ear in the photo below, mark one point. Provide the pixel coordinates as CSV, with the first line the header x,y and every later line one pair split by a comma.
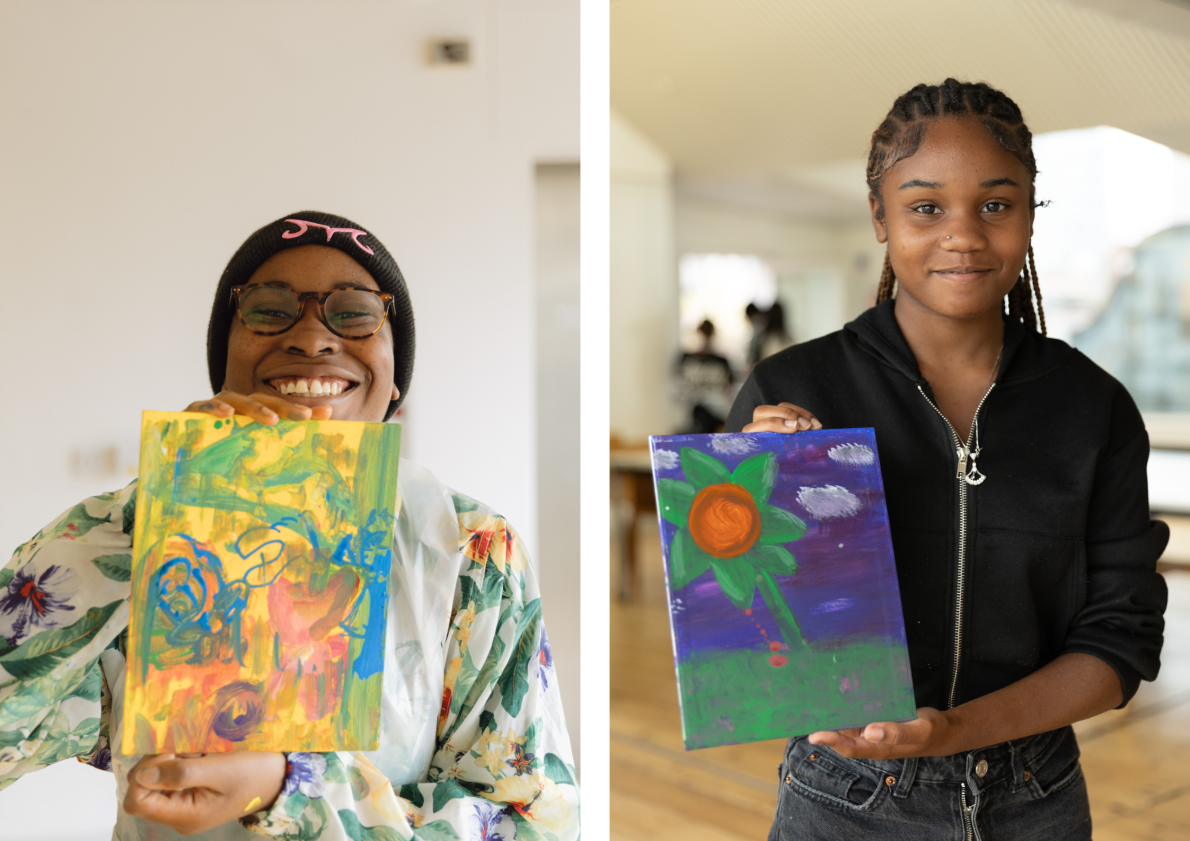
x,y
396,392
877,223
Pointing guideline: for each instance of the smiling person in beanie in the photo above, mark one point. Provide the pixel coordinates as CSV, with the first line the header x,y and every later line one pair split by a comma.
x,y
312,319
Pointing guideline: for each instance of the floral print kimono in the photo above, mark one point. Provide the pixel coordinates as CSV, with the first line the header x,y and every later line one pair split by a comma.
x,y
473,744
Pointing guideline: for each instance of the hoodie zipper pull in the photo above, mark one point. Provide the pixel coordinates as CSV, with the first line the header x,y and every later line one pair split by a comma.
x,y
963,452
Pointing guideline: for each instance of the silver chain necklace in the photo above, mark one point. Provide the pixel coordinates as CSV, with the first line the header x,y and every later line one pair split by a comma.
x,y
973,476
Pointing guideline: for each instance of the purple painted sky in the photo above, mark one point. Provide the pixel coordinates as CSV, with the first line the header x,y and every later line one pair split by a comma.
x,y
845,588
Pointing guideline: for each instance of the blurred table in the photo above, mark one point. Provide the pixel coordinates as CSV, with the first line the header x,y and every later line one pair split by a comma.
x,y
632,495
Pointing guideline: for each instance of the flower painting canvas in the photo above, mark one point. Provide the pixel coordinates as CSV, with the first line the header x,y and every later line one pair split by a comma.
x,y
783,596
260,565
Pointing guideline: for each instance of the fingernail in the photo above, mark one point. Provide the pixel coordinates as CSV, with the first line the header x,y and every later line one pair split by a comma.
x,y
148,776
875,734
789,422
803,423
299,413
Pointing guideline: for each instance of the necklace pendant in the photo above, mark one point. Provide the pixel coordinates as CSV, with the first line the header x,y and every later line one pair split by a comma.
x,y
974,477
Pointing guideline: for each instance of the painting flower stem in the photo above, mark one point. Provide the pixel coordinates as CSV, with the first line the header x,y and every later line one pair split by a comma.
x,y
779,607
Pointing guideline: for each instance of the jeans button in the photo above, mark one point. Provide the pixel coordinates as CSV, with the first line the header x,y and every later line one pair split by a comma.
x,y
788,779
981,768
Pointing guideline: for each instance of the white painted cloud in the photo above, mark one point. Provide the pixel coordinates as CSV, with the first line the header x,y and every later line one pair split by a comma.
x,y
666,459
832,606
733,445
829,502
853,454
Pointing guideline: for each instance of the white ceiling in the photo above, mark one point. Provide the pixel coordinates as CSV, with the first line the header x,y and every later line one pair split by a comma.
x,y
771,103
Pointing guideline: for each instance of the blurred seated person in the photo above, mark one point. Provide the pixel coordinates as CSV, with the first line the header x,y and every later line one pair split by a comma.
x,y
704,383
757,319
774,337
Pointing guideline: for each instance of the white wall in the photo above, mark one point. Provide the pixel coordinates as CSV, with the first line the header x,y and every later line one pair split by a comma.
x,y
644,286
557,283
143,141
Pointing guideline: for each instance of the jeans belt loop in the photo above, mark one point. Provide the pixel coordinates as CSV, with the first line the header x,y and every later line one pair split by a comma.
x,y
905,782
1018,765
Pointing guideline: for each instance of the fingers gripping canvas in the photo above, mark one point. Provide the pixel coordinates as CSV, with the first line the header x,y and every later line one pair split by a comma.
x,y
261,557
783,595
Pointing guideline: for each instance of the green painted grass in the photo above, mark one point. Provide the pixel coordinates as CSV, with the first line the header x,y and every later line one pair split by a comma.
x,y
739,696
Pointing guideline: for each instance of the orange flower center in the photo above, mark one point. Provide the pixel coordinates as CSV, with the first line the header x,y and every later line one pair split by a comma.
x,y
724,521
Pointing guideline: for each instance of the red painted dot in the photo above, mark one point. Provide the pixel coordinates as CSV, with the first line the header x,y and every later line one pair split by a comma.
x,y
774,646
777,660
748,611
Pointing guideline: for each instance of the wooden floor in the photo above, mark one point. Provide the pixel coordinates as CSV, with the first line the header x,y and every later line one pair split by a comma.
x,y
1137,761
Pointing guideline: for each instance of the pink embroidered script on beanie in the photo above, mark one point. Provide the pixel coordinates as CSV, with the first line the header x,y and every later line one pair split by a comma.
x,y
304,226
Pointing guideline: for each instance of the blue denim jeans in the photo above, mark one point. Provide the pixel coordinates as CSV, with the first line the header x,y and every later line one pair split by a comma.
x,y
1027,789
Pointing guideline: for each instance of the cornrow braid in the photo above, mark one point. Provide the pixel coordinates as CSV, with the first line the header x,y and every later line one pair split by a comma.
x,y
1037,289
887,280
900,134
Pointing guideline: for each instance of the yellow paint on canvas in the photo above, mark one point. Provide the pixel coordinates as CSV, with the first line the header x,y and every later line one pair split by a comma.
x,y
261,558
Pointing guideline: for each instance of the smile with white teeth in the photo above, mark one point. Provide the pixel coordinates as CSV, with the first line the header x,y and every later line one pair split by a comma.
x,y
311,386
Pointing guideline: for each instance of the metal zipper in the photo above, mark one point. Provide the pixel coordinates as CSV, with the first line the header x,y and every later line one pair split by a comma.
x,y
967,814
963,451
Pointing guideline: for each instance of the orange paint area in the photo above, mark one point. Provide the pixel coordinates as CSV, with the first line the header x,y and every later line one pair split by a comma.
x,y
724,521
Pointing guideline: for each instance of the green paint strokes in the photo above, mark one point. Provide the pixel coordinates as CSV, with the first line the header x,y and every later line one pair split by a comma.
x,y
777,605
730,697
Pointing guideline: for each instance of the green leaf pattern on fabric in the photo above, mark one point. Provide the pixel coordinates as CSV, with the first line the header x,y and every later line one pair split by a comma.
x,y
115,567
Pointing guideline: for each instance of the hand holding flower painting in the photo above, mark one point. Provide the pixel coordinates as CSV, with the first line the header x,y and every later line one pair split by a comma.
x,y
726,524
831,648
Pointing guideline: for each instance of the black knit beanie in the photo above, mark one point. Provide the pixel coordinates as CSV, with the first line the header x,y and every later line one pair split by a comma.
x,y
310,227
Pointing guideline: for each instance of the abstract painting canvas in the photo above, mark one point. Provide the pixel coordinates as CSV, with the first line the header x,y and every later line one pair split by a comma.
x,y
261,557
783,596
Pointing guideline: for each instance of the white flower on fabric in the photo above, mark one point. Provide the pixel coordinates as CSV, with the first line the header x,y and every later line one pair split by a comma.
x,y
829,502
306,772
37,599
852,454
666,459
733,445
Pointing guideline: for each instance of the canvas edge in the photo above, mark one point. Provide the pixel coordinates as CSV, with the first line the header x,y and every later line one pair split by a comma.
x,y
673,631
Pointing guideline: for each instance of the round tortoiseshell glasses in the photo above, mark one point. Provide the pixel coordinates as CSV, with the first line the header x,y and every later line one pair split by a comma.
x,y
350,312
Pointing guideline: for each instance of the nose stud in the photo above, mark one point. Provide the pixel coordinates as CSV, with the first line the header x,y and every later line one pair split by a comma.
x,y
948,237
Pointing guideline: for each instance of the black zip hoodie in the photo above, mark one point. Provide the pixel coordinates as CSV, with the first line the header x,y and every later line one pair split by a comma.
x,y
1059,553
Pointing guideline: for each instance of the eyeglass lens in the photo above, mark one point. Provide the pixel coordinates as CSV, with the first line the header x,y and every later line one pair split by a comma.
x,y
349,312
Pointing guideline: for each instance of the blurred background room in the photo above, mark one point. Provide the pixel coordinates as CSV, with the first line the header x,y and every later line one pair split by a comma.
x,y
142,142
740,224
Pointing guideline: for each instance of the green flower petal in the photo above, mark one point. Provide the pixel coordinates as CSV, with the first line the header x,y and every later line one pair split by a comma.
x,y
737,579
757,474
675,497
687,560
775,559
778,525
702,469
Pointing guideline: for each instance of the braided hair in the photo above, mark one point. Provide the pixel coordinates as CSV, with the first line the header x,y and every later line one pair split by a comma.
x,y
900,135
